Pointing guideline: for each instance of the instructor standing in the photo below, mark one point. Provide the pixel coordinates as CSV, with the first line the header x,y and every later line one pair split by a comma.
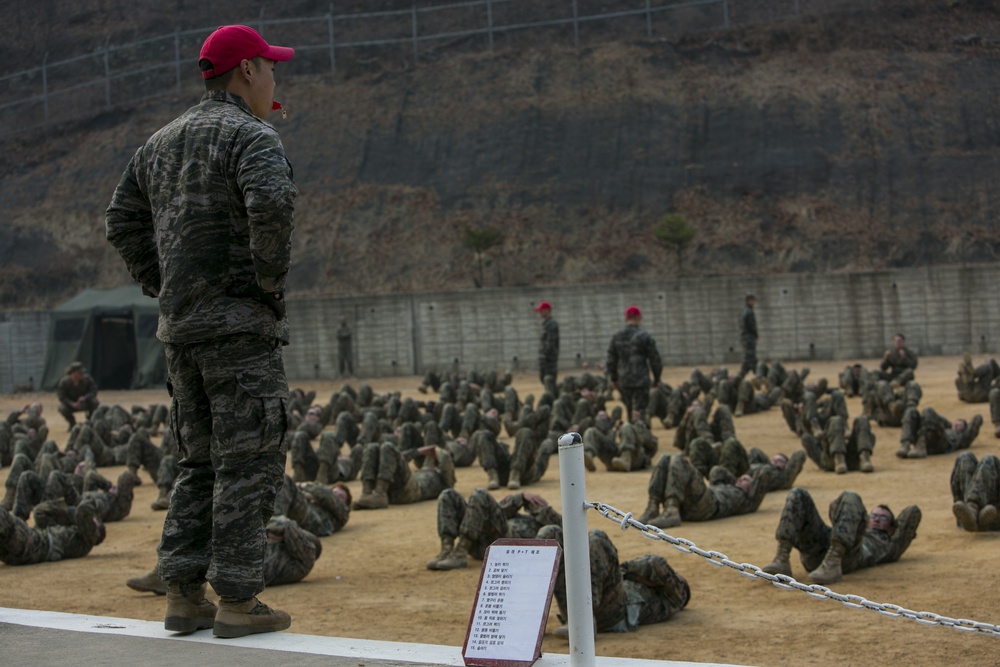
x,y
632,357
548,345
202,217
748,335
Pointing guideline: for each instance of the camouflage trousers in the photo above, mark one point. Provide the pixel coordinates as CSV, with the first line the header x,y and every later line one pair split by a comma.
x,y
21,544
636,399
731,455
654,591
802,525
229,420
832,441
480,519
977,482
676,477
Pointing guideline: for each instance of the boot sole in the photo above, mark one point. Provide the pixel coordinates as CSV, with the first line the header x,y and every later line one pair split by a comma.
x,y
186,624
226,631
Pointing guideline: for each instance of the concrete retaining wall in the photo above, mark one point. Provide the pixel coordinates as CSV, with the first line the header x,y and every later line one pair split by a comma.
x,y
946,310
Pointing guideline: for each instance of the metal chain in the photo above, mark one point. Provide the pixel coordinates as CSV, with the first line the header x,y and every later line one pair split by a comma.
x,y
784,582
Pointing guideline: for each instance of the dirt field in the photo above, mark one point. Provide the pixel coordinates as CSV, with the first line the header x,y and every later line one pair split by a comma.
x,y
371,581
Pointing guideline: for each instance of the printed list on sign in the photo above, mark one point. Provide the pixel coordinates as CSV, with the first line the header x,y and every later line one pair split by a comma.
x,y
512,603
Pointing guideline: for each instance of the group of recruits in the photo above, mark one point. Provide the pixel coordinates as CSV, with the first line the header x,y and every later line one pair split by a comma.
x,y
405,450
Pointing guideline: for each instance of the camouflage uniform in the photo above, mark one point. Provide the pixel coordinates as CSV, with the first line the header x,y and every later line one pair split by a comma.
x,y
22,545
202,217
823,446
301,449
625,595
676,477
853,380
974,384
977,483
887,403
802,526
483,520
938,433
632,357
385,462
325,513
68,391
730,454
898,366
548,349
748,339
290,554
529,459
345,352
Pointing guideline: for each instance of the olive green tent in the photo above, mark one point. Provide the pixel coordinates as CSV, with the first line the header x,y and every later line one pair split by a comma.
x,y
113,333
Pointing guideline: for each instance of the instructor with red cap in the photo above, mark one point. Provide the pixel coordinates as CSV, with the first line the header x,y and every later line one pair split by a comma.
x,y
632,357
202,217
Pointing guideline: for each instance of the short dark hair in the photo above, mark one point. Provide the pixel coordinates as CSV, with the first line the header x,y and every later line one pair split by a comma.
x,y
222,81
892,517
901,336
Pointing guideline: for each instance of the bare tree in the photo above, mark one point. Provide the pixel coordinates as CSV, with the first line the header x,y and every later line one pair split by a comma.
x,y
480,241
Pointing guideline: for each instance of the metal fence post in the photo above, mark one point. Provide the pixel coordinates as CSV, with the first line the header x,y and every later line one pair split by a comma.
x,y
576,551
413,14
576,25
489,22
649,20
333,49
725,14
107,76
45,86
177,57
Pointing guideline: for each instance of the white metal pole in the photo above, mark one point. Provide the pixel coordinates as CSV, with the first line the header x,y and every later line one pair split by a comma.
x,y
576,551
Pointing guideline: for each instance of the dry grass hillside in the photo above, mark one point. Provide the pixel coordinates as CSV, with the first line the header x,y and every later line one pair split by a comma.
x,y
846,141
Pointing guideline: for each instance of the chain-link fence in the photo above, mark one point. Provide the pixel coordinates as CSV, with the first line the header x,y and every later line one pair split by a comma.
x,y
119,76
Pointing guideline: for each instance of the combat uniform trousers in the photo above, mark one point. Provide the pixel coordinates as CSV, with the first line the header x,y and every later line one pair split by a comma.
x,y
731,455
228,415
802,525
686,485
654,591
977,482
636,399
481,519
600,445
303,454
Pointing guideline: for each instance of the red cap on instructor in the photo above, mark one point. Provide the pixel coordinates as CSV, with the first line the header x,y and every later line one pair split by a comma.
x,y
632,311
228,46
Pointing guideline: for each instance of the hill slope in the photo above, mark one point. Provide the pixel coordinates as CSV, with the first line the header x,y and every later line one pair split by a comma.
x,y
853,141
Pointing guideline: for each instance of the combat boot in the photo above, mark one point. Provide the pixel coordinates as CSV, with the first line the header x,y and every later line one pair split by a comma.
x,y
459,556
866,461
904,449
447,544
781,563
494,479
299,473
148,583
187,613
588,461
829,571
323,474
919,450
967,515
840,464
162,501
740,407
239,618
987,517
8,498
135,473
514,482
376,499
652,510
671,515
623,462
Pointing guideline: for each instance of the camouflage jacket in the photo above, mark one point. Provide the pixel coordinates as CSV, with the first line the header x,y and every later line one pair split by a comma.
x,y
204,205
632,356
548,346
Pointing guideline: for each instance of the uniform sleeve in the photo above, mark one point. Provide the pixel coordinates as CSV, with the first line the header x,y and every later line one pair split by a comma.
x,y
611,367
128,224
653,356
265,178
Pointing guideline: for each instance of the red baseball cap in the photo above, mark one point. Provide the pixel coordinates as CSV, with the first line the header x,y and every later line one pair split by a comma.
x,y
543,306
231,44
632,311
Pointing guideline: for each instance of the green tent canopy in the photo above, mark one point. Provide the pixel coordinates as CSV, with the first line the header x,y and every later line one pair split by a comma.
x,y
113,333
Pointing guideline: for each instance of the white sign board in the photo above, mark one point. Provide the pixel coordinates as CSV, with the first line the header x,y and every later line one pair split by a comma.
x,y
512,603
